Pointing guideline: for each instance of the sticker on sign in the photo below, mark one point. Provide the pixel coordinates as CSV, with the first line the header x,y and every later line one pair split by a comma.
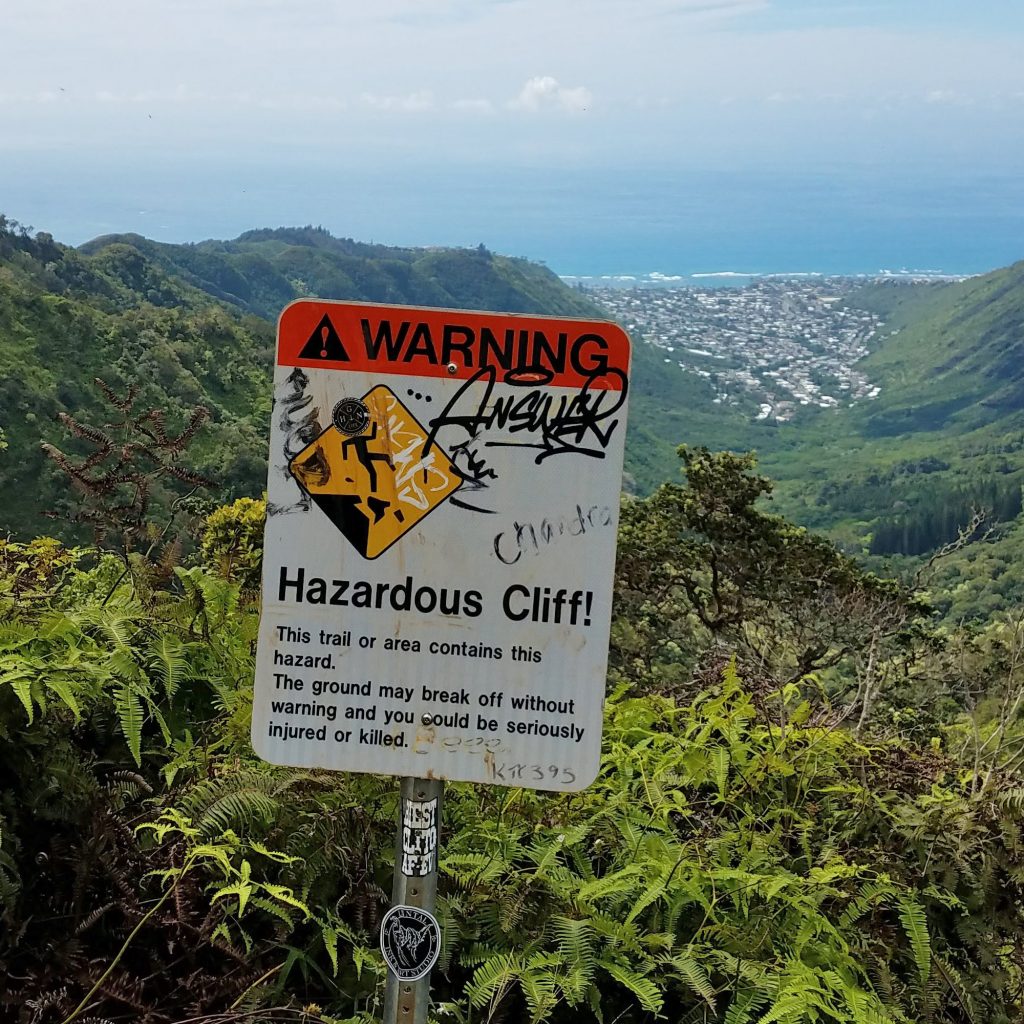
x,y
442,508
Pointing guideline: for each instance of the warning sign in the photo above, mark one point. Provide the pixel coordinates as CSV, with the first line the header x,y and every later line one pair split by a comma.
x,y
442,507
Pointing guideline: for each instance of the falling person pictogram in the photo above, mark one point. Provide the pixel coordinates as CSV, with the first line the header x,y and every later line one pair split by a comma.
x,y
376,485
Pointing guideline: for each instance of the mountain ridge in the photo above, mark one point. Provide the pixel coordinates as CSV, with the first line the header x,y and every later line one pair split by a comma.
x,y
193,324
264,269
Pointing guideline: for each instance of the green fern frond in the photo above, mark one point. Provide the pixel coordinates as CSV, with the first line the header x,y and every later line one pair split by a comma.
x,y
167,658
330,941
539,985
1012,800
720,757
468,868
447,919
130,714
575,945
695,976
275,909
492,978
955,983
21,684
617,883
647,993
650,895
67,692
118,627
915,924
870,895
234,802
743,1006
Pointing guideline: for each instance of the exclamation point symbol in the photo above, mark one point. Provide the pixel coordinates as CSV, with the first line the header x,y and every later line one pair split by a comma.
x,y
589,601
324,343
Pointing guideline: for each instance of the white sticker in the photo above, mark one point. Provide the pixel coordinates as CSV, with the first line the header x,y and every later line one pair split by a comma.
x,y
410,940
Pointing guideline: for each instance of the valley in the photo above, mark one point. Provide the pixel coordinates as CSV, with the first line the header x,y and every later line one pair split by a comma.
x,y
886,412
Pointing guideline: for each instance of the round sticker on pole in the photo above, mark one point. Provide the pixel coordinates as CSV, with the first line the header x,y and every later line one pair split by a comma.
x,y
410,940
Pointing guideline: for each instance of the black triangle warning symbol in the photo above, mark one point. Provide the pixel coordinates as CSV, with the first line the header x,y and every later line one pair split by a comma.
x,y
324,343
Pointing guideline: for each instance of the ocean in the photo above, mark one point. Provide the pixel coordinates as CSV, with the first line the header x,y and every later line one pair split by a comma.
x,y
586,223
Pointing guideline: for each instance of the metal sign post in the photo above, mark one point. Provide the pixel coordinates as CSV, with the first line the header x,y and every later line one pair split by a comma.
x,y
410,936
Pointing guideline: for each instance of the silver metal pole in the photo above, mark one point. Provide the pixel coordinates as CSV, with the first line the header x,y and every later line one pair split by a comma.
x,y
415,886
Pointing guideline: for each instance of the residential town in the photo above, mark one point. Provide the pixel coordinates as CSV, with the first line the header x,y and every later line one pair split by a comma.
x,y
781,343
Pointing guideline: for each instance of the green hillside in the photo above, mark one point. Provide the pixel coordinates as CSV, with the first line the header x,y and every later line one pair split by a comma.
x,y
898,477
894,478
194,324
957,363
951,405
260,272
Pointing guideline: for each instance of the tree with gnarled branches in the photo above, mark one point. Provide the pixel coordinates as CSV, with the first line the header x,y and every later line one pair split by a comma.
x,y
134,456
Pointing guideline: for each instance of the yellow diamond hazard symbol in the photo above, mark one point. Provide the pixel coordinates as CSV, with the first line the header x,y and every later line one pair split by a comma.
x,y
370,473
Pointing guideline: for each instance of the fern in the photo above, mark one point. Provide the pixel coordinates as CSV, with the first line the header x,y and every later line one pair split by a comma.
x,y
66,690
646,991
119,627
448,922
915,924
167,656
575,945
720,757
956,986
651,894
616,882
492,979
234,802
540,986
870,896
128,704
21,684
695,976
743,1007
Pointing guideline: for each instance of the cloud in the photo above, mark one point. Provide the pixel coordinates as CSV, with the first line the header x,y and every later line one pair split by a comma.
x,y
474,106
940,96
178,94
716,8
414,102
543,92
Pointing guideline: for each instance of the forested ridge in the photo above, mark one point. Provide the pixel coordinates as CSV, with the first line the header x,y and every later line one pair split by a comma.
x,y
195,325
812,786
899,477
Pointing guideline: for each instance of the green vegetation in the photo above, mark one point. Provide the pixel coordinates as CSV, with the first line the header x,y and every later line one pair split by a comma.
x,y
904,474
193,325
794,820
811,799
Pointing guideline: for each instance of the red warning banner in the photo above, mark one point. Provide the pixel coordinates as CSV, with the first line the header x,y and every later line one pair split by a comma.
x,y
422,342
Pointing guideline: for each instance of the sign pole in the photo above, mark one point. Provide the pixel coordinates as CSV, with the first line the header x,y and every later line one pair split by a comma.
x,y
410,936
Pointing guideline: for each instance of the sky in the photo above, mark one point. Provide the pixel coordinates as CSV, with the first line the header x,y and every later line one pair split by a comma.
x,y
418,121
